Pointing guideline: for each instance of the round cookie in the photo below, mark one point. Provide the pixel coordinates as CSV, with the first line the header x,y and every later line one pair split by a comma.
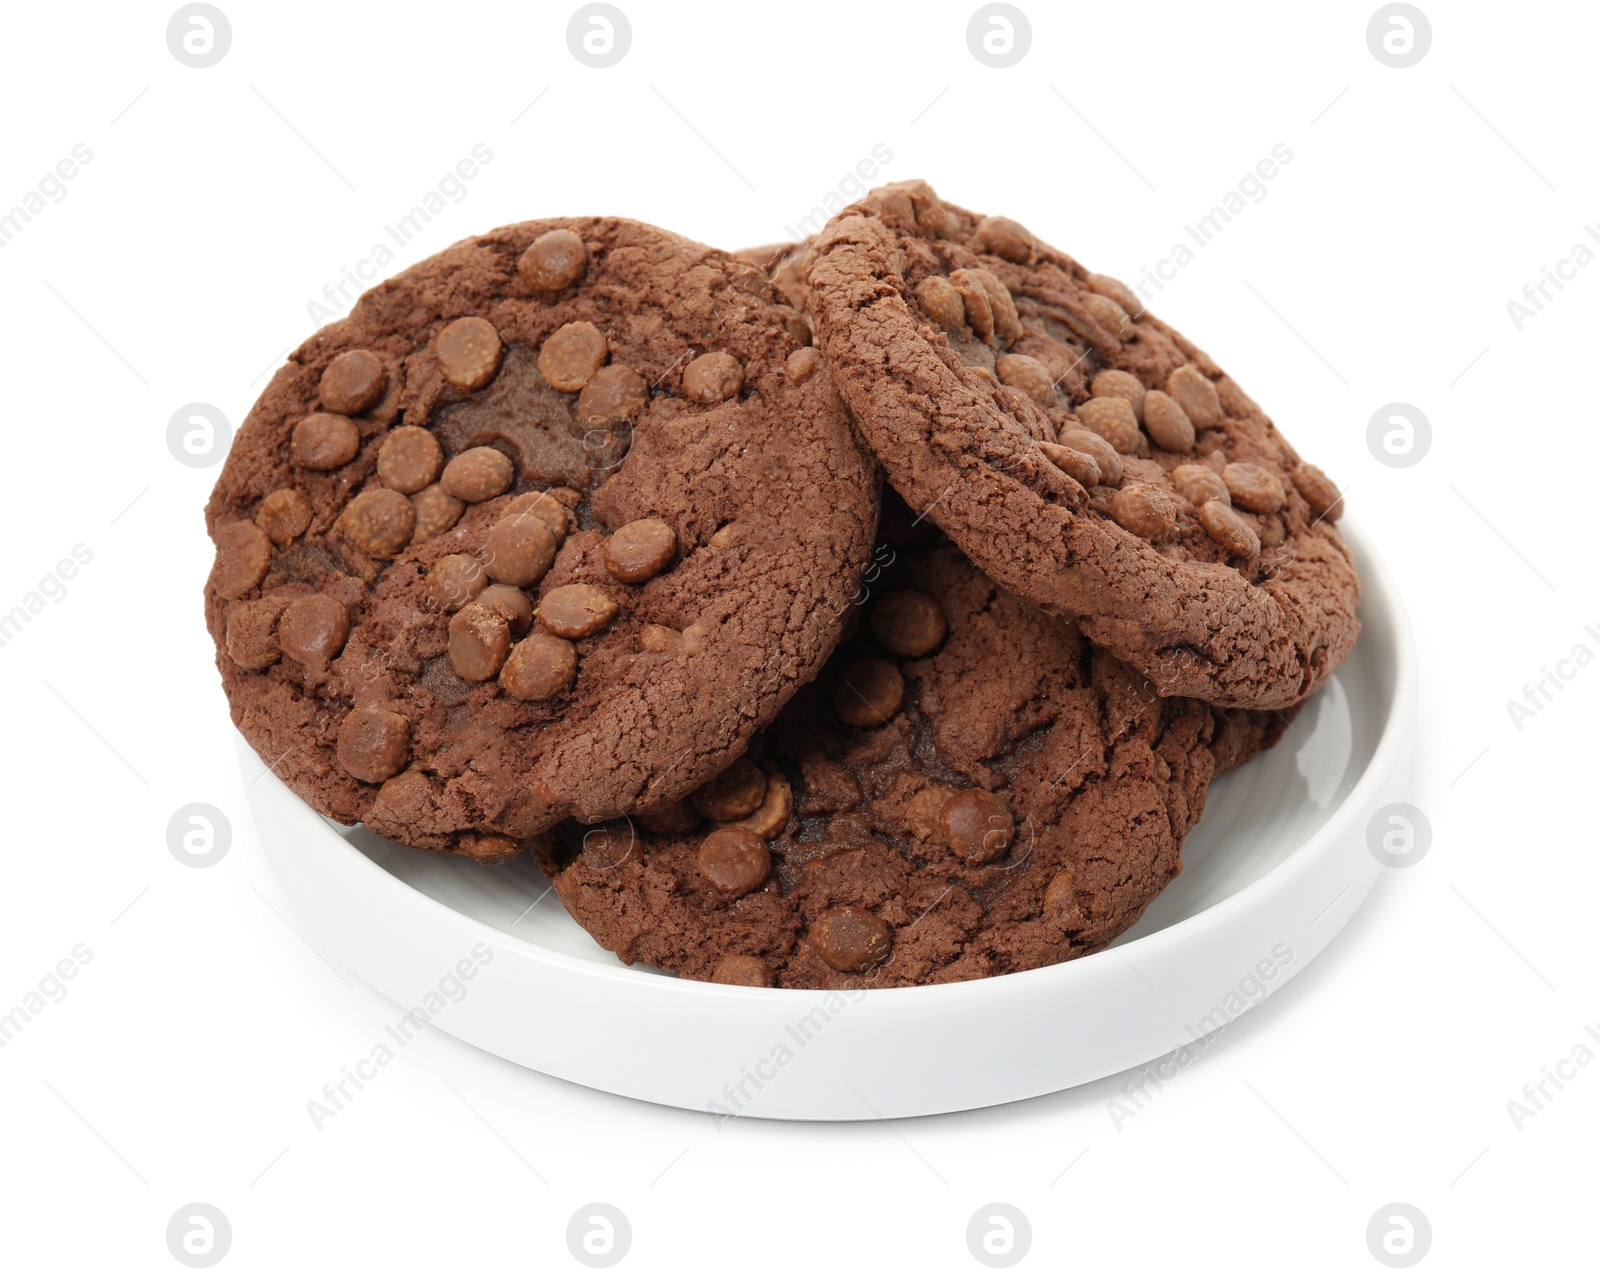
x,y
969,789
1086,455
562,533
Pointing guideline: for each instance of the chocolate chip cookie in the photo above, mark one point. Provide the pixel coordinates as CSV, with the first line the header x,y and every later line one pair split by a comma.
x,y
551,525
1086,455
970,788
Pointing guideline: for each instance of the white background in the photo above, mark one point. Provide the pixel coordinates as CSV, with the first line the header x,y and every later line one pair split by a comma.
x,y
178,269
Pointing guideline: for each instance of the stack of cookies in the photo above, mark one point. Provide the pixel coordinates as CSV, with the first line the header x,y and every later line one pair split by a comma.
x,y
873,611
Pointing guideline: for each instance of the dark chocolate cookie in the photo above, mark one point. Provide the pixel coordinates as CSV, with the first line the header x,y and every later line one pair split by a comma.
x,y
549,526
970,788
1086,455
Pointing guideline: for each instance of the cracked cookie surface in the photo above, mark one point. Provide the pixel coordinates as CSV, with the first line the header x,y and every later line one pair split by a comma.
x,y
1086,455
969,789
551,525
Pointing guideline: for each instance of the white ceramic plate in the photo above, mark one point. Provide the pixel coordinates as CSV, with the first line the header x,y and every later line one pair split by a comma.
x,y
1275,869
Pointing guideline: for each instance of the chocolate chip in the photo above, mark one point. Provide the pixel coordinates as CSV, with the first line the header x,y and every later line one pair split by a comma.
x,y
734,861
851,938
572,355
511,604
1198,483
1230,530
1167,423
1109,315
353,382
490,849
1118,291
1272,532
1029,376
894,203
244,554
677,818
1196,395
546,507
407,797
657,639
868,693
735,793
713,377
975,305
1103,453
1112,383
452,582
692,640
480,639
409,459
922,202
728,536
1145,510
519,550
556,259
1079,466
284,515
612,395
942,302
939,222
640,550
1254,487
576,610
374,744
1005,238
909,624
1002,309
322,442
539,667
742,970
313,630
436,513
978,825
771,816
923,810
251,638
1061,899
477,474
379,522
802,364
468,351
1112,419
1318,490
